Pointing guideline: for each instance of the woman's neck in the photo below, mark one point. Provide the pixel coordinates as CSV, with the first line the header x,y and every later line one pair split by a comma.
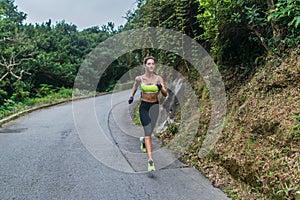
x,y
149,74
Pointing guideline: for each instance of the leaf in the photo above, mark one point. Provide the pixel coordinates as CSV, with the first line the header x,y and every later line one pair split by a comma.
x,y
297,19
270,17
279,191
291,189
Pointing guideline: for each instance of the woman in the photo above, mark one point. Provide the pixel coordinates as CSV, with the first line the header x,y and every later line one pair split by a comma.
x,y
150,85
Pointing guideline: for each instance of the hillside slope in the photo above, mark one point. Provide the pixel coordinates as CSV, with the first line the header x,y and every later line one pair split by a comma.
x,y
257,156
260,146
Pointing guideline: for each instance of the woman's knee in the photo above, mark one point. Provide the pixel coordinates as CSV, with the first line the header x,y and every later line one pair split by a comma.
x,y
147,137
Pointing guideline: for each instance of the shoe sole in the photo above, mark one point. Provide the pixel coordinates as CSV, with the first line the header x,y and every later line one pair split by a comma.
x,y
151,168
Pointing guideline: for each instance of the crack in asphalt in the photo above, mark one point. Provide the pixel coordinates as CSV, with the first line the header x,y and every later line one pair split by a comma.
x,y
12,130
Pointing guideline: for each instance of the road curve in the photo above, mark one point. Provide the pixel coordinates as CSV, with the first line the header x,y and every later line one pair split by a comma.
x,y
53,153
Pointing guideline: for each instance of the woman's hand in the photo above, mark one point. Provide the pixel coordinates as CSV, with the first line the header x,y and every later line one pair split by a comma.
x,y
130,100
158,84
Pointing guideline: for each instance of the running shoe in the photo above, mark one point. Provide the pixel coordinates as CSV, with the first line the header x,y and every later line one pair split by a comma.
x,y
143,146
151,165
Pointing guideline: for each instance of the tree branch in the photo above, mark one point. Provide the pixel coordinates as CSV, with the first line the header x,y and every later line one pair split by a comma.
x,y
4,64
8,38
19,63
3,76
9,67
17,77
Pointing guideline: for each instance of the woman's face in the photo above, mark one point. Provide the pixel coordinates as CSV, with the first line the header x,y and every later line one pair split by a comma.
x,y
150,65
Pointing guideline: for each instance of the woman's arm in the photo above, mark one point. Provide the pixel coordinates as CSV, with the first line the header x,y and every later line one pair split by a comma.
x,y
163,88
135,86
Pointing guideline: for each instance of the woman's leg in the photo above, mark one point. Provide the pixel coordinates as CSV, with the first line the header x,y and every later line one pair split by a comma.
x,y
146,122
148,144
153,114
145,117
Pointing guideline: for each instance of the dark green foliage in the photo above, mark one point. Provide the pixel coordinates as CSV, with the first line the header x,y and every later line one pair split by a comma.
x,y
248,29
175,15
32,56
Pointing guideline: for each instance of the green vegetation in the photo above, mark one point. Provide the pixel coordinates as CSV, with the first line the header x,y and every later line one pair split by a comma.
x,y
136,115
36,58
46,96
255,44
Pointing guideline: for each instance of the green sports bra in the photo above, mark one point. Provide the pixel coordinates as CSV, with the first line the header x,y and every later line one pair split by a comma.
x,y
149,88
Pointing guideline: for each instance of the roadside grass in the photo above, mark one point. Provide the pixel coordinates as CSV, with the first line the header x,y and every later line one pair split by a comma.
x,y
11,107
47,95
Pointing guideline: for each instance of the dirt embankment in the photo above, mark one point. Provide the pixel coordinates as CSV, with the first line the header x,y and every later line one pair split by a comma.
x,y
258,155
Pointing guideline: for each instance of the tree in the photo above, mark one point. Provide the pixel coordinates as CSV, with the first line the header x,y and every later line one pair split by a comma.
x,y
10,40
15,48
245,30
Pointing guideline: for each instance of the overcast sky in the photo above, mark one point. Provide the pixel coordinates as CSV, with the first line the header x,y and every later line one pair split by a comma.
x,y
82,13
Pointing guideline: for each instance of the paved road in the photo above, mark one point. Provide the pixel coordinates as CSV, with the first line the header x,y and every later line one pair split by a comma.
x,y
58,153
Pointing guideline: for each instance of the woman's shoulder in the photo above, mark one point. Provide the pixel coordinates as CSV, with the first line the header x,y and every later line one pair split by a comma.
x,y
159,77
138,78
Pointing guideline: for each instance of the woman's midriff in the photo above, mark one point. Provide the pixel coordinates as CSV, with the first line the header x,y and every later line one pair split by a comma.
x,y
150,97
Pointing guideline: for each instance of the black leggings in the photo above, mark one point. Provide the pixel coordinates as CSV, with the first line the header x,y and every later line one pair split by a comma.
x,y
148,116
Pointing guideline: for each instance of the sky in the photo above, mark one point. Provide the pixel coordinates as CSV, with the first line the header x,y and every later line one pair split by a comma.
x,y
82,13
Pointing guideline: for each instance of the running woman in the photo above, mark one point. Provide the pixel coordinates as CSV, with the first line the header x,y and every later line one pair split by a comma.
x,y
151,85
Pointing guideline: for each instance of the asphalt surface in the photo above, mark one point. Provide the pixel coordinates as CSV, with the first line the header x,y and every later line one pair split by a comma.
x,y
89,149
